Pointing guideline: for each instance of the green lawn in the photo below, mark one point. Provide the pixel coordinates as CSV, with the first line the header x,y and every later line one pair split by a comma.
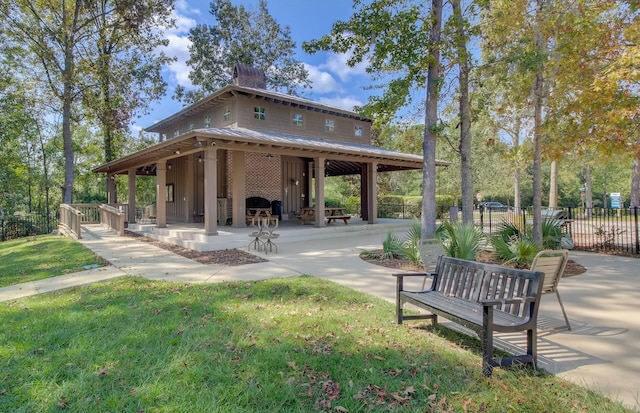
x,y
284,345
35,258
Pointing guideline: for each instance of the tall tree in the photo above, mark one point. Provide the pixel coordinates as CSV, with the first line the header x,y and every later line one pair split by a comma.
x,y
52,32
124,64
239,35
400,41
461,38
71,43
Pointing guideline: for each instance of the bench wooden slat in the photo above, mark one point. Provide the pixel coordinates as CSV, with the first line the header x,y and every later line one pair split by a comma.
x,y
482,297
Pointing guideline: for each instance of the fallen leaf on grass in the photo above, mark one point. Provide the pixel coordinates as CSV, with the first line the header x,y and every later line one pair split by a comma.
x,y
63,403
292,364
103,371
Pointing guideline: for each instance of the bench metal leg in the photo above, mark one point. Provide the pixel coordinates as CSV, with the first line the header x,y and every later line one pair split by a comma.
x,y
532,345
487,341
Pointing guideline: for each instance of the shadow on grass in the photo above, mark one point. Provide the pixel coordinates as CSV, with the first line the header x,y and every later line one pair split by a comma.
x,y
299,344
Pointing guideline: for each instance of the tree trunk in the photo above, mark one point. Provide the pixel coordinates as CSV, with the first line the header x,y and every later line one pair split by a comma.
x,y
538,96
588,193
431,125
466,175
635,184
516,190
553,186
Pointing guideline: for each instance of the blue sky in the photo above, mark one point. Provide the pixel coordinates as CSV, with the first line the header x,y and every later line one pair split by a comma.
x,y
333,82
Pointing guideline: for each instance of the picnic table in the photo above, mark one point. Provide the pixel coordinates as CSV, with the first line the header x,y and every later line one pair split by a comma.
x,y
257,213
331,213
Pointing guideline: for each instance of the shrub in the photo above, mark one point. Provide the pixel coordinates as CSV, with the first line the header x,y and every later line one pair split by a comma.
x,y
460,240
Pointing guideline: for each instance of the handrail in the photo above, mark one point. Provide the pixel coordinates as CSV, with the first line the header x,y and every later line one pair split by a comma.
x,y
113,218
70,224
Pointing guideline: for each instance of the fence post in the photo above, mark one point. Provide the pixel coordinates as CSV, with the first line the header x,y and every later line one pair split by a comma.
x,y
2,219
635,221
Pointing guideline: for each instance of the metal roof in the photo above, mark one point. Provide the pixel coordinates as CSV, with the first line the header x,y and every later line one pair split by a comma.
x,y
348,157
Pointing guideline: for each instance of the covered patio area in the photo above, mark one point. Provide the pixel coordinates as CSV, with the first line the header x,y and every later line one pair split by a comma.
x,y
207,175
193,236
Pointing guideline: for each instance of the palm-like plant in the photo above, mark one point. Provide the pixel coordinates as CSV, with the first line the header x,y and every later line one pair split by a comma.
x,y
410,246
460,240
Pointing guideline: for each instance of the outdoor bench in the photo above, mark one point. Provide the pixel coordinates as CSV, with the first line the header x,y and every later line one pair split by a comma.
x,y
482,297
331,218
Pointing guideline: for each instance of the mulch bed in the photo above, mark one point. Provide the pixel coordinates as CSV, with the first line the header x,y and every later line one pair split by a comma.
x,y
227,258
398,263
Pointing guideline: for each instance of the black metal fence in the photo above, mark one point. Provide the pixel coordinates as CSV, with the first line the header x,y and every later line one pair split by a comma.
x,y
591,229
25,225
607,230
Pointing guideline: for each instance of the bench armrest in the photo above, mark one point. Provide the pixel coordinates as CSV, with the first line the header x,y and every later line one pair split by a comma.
x,y
503,301
413,274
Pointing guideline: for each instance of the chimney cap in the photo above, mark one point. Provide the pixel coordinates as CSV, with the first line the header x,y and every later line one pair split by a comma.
x,y
244,75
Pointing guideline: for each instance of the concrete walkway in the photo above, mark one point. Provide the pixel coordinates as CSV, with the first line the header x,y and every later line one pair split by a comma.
x,y
602,352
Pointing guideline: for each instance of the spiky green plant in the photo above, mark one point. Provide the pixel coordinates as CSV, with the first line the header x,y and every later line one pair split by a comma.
x,y
411,242
551,233
523,251
460,240
391,246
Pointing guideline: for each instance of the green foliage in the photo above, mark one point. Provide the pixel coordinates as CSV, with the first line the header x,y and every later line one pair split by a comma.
x,y
551,233
353,205
241,36
332,203
410,246
460,240
518,250
394,247
391,246
390,206
513,244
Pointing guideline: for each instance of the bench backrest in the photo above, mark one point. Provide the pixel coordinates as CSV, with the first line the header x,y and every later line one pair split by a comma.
x,y
476,281
552,263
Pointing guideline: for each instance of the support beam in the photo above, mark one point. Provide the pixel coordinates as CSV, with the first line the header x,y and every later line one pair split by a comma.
x,y
111,190
190,212
132,195
364,194
319,191
161,194
372,191
210,191
238,190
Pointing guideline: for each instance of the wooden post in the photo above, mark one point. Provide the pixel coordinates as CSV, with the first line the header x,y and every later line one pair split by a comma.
x,y
210,191
161,194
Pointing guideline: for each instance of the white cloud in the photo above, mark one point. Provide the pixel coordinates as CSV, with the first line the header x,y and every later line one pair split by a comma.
x,y
337,63
184,7
346,103
321,81
179,47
